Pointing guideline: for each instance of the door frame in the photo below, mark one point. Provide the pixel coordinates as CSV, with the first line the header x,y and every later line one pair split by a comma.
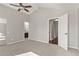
x,y
49,25
57,20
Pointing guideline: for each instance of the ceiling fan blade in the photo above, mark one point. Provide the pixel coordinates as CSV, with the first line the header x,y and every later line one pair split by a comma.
x,y
29,6
19,9
15,5
26,10
20,4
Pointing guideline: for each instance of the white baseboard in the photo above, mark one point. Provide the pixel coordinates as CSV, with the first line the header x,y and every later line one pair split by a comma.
x,y
39,41
73,47
15,42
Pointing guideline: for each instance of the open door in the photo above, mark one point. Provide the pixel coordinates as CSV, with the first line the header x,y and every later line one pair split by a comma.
x,y
63,31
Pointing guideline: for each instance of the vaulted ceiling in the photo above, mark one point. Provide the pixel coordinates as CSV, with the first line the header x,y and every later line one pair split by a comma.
x,y
31,10
36,6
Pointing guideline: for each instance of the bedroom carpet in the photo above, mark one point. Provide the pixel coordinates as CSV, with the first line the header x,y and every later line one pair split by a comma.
x,y
39,48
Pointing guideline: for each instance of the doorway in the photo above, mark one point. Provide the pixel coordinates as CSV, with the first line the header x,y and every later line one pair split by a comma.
x,y
53,29
58,31
26,29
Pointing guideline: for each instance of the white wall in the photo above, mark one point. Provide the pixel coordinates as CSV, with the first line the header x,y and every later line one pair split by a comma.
x,y
39,24
15,23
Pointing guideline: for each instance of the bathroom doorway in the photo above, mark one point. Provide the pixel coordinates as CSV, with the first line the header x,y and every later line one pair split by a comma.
x,y
53,31
26,29
58,31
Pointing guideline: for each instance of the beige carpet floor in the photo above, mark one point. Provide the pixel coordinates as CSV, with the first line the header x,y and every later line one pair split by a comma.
x,y
42,49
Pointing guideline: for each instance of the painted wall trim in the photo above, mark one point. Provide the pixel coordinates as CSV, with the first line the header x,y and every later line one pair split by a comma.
x,y
73,47
40,41
14,42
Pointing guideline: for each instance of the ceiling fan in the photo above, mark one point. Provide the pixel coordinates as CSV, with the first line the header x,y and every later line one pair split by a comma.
x,y
22,7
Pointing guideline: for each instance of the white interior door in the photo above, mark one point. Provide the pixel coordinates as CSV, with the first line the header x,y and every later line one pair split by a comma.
x,y
63,31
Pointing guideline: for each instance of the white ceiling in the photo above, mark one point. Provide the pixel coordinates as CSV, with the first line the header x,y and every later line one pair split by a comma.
x,y
36,6
54,5
31,10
